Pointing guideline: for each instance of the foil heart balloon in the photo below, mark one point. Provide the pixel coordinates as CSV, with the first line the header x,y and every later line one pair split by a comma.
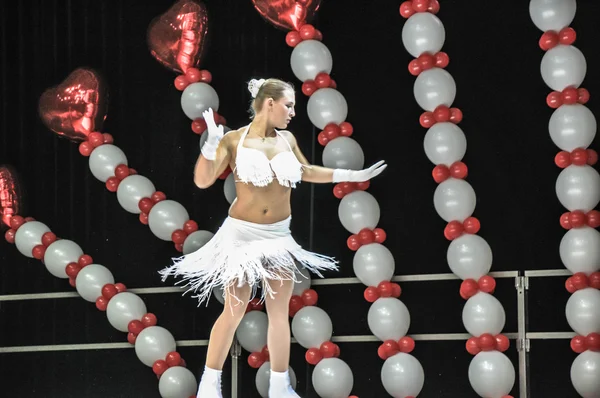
x,y
77,106
177,38
287,14
10,194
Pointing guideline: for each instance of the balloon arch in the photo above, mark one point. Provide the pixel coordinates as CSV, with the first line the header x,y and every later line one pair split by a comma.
x,y
76,109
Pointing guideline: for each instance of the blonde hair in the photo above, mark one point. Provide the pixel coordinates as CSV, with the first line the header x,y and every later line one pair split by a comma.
x,y
263,89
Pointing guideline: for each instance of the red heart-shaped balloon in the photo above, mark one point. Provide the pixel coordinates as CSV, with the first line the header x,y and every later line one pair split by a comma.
x,y
176,38
77,106
10,194
287,14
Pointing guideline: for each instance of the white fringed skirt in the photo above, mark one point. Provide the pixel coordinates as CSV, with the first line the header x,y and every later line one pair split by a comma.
x,y
243,252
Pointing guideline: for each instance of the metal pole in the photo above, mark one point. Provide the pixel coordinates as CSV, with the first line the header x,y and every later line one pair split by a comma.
x,y
522,285
236,351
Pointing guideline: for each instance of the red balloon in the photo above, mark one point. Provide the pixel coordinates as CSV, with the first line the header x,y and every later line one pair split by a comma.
x,y
255,360
310,297
371,294
406,344
313,356
10,194
135,327
487,342
569,285
578,344
580,280
327,349
385,289
296,304
287,14
502,343
76,107
577,219
487,284
159,367
468,288
472,346
592,342
177,38
472,225
149,319
594,280
173,358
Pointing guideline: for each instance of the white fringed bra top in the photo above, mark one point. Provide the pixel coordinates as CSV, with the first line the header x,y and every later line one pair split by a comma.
x,y
253,166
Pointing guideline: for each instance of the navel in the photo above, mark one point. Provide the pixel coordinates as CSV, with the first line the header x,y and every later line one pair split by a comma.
x,y
265,210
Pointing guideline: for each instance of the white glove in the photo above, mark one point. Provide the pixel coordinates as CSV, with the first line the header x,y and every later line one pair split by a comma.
x,y
215,134
342,175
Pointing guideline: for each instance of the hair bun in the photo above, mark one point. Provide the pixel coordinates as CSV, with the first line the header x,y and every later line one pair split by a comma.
x,y
254,86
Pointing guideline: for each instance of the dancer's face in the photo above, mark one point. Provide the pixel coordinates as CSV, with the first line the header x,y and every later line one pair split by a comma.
x,y
283,110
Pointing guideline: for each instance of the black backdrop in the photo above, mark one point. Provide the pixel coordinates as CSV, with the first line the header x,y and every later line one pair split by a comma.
x,y
494,59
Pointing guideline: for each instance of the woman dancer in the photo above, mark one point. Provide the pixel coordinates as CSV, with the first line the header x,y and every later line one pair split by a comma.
x,y
254,248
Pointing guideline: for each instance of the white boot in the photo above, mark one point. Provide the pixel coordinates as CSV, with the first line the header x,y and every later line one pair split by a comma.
x,y
210,384
280,387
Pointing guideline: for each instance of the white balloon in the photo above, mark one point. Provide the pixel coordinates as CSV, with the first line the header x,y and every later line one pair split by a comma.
x,y
585,374
445,143
491,374
123,308
327,105
177,382
552,14
434,87
131,190
198,97
309,58
104,160
423,32
483,313
580,250
454,199
311,327
154,343
59,254
165,217
332,378
343,153
578,188
572,126
583,311
469,257
252,331
28,236
563,66
359,210
402,375
90,281
196,240
388,319
373,264
229,188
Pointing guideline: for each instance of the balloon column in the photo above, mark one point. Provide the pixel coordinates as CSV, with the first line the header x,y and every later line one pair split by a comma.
x,y
469,256
402,374
154,345
572,128
177,40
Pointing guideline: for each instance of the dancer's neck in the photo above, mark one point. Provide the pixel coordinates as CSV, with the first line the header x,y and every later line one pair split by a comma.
x,y
260,127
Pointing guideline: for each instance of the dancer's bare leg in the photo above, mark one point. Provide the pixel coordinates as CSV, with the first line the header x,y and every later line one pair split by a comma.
x,y
221,338
278,338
